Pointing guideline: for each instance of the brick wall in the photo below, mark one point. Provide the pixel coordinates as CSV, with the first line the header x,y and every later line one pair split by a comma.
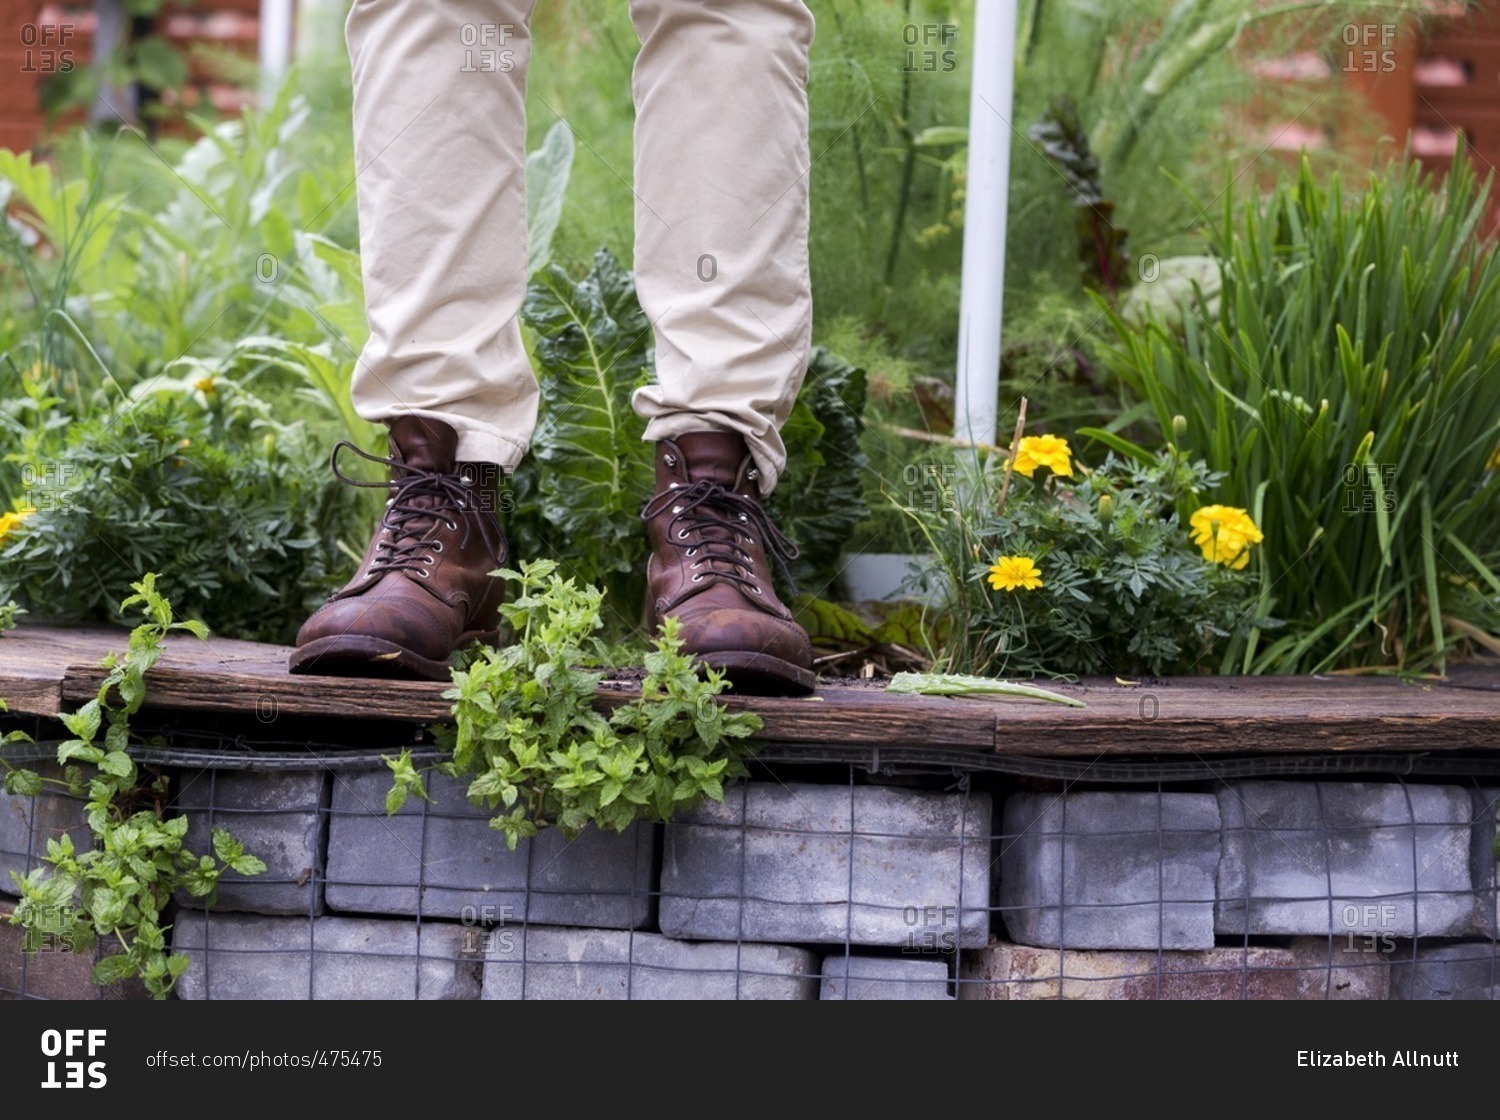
x,y
38,38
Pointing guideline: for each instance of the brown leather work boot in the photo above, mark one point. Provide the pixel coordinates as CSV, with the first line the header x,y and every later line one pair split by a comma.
x,y
423,589
709,568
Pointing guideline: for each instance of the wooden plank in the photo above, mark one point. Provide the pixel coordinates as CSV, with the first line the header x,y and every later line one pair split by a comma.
x,y
41,667
1237,715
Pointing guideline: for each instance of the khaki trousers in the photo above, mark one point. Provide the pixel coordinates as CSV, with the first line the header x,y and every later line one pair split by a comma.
x,y
721,213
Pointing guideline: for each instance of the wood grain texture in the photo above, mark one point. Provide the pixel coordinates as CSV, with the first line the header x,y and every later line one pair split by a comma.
x,y
45,669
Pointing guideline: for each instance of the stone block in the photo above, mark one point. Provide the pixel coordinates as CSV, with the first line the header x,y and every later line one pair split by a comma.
x,y
277,816
864,977
55,971
1109,870
253,956
1307,969
1389,859
548,963
443,860
798,862
1484,860
27,823
1463,971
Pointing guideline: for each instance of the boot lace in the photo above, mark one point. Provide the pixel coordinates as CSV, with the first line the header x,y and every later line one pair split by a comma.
x,y
418,498
721,519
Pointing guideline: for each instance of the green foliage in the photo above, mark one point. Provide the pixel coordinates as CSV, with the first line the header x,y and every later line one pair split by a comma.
x,y
820,498
1101,243
116,890
961,684
537,752
589,469
195,482
579,492
147,60
1344,384
1124,590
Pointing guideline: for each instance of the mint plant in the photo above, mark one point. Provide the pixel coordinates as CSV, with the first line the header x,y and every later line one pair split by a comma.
x,y
536,751
117,889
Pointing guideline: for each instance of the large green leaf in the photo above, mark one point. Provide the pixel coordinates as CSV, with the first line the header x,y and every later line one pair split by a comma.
x,y
591,352
547,171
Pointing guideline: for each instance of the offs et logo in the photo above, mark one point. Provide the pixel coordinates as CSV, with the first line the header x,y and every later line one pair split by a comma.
x,y
75,1047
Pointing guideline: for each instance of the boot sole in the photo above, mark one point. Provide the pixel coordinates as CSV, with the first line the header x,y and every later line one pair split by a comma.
x,y
759,674
356,655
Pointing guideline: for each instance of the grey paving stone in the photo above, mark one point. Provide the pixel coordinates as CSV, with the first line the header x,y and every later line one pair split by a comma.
x,y
800,862
1465,971
538,962
865,977
27,823
1484,860
278,816
1109,870
443,860
1384,858
251,956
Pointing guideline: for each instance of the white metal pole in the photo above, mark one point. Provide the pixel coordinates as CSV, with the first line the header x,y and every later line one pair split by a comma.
x,y
276,20
987,193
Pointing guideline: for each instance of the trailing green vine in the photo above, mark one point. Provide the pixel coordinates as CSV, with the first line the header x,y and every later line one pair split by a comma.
x,y
537,751
116,890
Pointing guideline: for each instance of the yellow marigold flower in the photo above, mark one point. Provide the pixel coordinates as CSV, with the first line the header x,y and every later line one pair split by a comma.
x,y
205,385
1044,451
1225,534
1011,572
12,518
1493,463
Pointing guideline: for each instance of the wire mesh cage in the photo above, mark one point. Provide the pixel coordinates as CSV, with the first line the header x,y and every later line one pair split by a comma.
x,y
827,874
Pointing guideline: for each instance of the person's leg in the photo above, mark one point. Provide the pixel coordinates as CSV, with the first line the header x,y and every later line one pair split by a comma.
x,y
721,184
440,156
440,159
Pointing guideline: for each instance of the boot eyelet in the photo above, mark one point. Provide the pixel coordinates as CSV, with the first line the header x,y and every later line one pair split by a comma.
x,y
695,565
752,473
743,517
697,578
755,587
682,534
423,573
673,485
693,551
452,525
676,509
429,559
390,502
670,460
437,546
